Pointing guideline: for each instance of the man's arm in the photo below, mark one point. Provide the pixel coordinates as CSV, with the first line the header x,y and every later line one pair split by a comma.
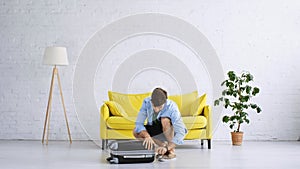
x,y
140,130
179,127
179,130
142,115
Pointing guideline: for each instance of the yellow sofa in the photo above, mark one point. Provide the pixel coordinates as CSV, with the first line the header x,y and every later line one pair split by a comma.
x,y
118,115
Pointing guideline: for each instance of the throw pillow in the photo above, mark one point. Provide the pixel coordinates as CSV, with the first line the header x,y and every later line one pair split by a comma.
x,y
131,103
198,105
116,109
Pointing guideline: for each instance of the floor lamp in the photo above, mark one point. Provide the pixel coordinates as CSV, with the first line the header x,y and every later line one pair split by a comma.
x,y
56,56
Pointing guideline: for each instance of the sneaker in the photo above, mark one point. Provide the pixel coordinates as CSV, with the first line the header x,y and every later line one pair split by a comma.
x,y
159,157
164,158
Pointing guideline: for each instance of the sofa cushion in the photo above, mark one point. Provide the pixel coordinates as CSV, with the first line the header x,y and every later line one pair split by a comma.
x,y
196,122
198,105
116,109
131,103
117,122
184,102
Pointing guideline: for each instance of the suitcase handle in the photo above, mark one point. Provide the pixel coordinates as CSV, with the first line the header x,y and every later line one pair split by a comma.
x,y
138,156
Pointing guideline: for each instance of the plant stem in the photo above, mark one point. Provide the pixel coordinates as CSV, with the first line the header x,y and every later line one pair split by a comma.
x,y
240,96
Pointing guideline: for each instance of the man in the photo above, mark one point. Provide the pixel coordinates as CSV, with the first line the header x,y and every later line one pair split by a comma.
x,y
164,128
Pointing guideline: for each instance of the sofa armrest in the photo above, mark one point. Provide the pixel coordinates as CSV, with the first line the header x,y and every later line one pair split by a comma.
x,y
104,112
104,115
208,114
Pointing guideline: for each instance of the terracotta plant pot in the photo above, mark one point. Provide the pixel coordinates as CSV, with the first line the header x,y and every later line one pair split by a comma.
x,y
237,138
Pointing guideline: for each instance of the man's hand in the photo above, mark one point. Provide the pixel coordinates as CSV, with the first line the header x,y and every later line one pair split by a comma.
x,y
161,150
148,143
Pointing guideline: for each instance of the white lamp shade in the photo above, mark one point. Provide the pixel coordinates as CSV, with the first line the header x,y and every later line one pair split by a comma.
x,y
56,56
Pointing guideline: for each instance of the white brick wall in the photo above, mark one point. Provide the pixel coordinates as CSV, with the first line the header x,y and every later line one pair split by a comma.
x,y
262,37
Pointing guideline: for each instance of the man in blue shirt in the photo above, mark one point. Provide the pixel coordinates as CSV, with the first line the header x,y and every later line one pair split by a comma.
x,y
164,128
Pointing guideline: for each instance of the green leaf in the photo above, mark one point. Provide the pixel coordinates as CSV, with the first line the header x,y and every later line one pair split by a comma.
x,y
249,77
225,119
238,106
232,118
243,114
255,91
258,109
229,92
248,89
231,75
253,106
216,103
247,121
245,98
226,100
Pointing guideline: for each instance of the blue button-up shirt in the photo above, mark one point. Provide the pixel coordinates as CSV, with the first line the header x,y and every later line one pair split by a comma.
x,y
169,110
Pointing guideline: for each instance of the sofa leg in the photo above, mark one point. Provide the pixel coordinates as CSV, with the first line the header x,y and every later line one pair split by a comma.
x,y
104,144
201,141
209,143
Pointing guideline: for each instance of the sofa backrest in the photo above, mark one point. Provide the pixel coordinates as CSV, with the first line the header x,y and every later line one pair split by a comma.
x,y
184,101
132,103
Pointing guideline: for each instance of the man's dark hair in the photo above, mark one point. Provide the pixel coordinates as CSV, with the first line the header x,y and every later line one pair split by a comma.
x,y
159,97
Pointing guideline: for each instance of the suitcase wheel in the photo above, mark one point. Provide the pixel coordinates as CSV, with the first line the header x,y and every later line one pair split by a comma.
x,y
113,160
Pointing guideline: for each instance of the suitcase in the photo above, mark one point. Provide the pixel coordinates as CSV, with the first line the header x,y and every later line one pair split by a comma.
x,y
129,152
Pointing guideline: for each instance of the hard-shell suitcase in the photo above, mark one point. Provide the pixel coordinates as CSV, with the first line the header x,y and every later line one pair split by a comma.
x,y
130,152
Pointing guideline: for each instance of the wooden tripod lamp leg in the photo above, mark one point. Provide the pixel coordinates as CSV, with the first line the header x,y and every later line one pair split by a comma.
x,y
63,103
47,118
48,108
48,127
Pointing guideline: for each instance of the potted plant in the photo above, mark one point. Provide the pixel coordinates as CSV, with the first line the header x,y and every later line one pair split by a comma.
x,y
236,96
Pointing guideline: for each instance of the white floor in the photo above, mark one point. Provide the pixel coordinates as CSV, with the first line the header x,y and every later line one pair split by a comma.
x,y
85,154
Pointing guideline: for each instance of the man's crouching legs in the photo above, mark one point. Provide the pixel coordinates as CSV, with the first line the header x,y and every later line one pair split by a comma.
x,y
168,131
